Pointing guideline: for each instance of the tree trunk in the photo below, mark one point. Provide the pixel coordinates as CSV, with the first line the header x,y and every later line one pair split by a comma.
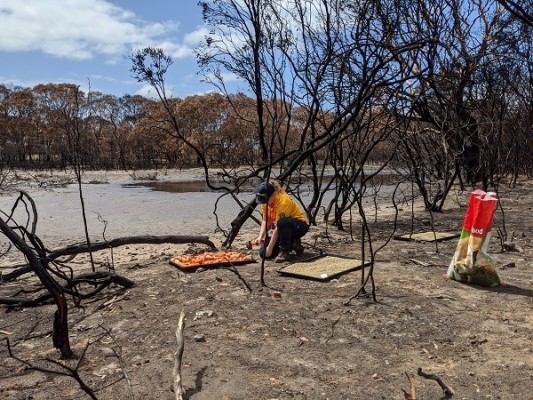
x,y
60,336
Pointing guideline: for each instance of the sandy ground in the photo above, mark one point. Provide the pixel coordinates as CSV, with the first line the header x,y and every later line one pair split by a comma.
x,y
290,339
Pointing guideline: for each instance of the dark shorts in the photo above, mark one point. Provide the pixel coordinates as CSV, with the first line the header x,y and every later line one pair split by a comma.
x,y
289,230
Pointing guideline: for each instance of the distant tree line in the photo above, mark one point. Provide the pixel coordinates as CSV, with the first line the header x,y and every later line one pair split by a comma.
x,y
442,91
43,127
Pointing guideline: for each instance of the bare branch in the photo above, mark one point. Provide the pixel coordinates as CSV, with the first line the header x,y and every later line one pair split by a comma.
x,y
67,371
178,355
448,391
411,394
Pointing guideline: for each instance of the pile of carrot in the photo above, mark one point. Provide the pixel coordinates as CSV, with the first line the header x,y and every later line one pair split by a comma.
x,y
212,258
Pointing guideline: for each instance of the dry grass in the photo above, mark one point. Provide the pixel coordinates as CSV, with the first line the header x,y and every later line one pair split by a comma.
x,y
322,267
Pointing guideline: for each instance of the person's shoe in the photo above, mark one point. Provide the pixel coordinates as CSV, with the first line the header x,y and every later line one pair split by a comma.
x,y
282,257
297,247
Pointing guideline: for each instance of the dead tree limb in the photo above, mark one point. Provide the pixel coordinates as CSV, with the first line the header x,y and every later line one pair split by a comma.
x,y
21,270
60,336
238,222
18,301
118,353
97,246
72,372
178,355
448,392
99,278
234,270
122,241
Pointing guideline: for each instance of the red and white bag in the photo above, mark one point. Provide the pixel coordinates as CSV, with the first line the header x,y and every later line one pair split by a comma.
x,y
471,262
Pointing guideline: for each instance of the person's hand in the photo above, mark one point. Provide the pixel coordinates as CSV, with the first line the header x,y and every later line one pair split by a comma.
x,y
252,243
257,241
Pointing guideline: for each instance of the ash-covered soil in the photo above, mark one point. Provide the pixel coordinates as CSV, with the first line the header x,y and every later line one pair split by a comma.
x,y
292,338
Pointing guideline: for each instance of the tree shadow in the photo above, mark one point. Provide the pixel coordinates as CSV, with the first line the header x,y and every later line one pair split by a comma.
x,y
507,289
198,384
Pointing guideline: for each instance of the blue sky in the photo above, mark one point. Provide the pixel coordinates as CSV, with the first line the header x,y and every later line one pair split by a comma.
x,y
82,41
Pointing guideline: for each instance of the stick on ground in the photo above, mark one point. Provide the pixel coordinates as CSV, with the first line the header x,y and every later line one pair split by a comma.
x,y
178,388
448,391
411,394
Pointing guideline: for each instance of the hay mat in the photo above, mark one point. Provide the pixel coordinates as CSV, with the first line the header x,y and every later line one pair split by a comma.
x,y
428,236
322,268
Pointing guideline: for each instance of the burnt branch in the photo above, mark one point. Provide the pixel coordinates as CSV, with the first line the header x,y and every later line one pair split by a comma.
x,y
66,370
122,241
98,280
448,391
76,249
60,336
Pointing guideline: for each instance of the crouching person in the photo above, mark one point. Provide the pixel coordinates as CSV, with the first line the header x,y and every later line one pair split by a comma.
x,y
284,223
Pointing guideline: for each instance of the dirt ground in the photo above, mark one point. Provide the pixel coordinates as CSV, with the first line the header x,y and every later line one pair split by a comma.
x,y
293,338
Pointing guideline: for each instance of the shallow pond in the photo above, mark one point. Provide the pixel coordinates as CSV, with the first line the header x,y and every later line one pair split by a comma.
x,y
126,208
116,210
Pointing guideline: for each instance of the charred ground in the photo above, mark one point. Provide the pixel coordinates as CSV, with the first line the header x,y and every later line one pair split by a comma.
x,y
293,338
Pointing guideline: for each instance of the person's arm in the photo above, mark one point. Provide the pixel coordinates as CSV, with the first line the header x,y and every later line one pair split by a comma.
x,y
272,243
262,234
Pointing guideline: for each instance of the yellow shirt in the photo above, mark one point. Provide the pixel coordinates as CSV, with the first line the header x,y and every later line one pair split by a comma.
x,y
282,205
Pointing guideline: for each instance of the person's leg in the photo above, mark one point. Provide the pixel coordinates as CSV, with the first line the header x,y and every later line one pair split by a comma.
x,y
289,230
284,226
299,230
297,247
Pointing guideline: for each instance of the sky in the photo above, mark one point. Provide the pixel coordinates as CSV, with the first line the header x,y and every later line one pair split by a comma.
x,y
85,42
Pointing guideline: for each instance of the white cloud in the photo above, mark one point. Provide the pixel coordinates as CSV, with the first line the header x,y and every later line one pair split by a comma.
x,y
82,29
148,92
230,77
176,51
196,37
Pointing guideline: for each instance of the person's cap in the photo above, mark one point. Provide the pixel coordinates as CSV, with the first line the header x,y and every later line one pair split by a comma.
x,y
263,192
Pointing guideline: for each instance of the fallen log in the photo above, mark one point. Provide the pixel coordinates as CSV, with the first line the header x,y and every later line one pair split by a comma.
x,y
75,249
122,241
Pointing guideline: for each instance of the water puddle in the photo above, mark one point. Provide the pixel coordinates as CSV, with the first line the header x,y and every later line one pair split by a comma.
x,y
201,186
180,187
171,187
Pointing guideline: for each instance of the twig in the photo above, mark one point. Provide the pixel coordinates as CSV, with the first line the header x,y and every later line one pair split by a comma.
x,y
72,372
421,263
178,355
333,329
234,270
411,394
448,391
115,299
118,354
